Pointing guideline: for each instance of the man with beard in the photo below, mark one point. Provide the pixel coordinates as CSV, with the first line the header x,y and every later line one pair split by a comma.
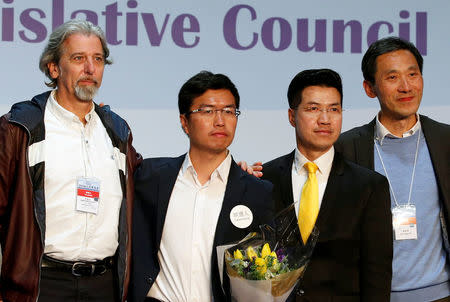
x,y
65,197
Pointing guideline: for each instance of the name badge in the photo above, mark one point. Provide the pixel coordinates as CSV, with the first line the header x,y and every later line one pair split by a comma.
x,y
241,216
404,222
88,195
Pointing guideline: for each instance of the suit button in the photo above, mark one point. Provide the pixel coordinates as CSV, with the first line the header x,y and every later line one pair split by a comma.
x,y
149,280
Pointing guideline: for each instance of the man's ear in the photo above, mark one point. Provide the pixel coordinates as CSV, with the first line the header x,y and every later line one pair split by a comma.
x,y
291,115
53,69
370,89
184,123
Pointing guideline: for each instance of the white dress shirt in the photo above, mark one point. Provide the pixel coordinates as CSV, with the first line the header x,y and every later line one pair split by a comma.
x,y
187,239
300,174
381,132
72,150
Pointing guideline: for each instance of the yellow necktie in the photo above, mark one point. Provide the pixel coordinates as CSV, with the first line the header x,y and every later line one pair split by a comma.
x,y
309,202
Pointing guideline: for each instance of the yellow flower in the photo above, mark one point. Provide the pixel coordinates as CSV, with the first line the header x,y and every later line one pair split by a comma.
x,y
275,259
238,255
261,266
265,251
251,253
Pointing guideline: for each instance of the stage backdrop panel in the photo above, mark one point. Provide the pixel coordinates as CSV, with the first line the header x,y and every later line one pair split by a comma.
x,y
157,45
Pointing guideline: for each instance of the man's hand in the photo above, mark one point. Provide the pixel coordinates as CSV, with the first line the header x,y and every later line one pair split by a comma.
x,y
255,169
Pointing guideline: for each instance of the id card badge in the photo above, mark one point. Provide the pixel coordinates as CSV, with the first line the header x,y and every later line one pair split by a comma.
x,y
88,195
404,222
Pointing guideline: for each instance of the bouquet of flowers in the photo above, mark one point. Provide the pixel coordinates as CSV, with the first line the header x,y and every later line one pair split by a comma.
x,y
259,263
267,265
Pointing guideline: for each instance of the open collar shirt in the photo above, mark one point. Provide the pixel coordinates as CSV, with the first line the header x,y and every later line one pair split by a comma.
x,y
188,235
381,131
72,150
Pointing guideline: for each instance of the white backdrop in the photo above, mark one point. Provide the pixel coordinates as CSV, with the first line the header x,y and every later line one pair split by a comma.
x,y
260,44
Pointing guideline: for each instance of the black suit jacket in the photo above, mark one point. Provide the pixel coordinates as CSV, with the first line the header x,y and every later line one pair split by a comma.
x,y
357,145
154,182
353,255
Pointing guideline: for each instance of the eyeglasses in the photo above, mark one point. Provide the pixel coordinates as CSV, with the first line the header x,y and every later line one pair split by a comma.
x,y
316,110
210,112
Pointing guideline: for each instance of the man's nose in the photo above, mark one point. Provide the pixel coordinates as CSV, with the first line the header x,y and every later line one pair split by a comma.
x,y
404,85
324,116
89,66
218,118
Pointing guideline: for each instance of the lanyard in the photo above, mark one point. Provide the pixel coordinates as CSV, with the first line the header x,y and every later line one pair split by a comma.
x,y
413,172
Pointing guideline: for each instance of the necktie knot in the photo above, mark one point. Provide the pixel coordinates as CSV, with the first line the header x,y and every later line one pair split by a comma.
x,y
311,167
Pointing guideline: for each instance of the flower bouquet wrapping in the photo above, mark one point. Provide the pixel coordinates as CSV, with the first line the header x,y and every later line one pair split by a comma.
x,y
267,265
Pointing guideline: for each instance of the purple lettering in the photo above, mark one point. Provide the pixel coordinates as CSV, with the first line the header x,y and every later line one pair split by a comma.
x,y
7,22
403,27
132,25
58,13
132,4
178,30
355,37
241,27
421,32
151,28
33,25
230,27
90,15
374,30
320,43
111,14
267,34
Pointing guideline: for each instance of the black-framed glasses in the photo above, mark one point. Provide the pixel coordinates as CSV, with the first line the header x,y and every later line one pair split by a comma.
x,y
210,112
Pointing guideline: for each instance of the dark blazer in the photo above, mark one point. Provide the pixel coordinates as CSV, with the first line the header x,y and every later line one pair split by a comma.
x,y
154,182
357,145
353,255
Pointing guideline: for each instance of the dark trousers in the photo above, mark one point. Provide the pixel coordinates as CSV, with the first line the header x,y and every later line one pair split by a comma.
x,y
60,286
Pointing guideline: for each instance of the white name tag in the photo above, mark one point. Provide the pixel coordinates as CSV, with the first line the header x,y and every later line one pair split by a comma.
x,y
241,216
88,195
404,222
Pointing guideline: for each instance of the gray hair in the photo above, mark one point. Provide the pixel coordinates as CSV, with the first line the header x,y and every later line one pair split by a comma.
x,y
52,52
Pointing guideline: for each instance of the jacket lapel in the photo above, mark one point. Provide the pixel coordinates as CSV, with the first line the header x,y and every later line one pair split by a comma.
x,y
331,191
232,198
364,146
286,179
439,157
166,182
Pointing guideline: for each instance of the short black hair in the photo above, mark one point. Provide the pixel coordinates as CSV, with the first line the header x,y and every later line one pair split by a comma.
x,y
380,47
312,77
199,84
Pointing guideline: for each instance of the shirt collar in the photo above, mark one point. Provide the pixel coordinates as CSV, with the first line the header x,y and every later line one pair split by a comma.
x,y
221,172
65,115
324,162
381,131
